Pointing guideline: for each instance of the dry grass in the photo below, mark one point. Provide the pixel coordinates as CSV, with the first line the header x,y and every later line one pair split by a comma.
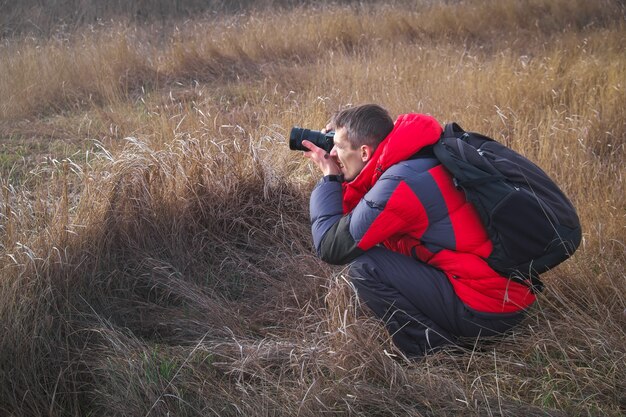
x,y
155,252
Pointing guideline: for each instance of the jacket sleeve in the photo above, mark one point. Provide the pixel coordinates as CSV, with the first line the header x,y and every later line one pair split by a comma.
x,y
388,209
330,228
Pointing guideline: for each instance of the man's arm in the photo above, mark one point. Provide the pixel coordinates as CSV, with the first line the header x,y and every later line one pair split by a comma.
x,y
389,209
330,228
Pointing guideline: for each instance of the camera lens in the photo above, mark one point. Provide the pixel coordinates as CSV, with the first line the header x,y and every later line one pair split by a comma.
x,y
295,139
319,139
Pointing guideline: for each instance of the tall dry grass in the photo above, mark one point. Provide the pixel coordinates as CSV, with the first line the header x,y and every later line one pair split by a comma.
x,y
161,262
51,17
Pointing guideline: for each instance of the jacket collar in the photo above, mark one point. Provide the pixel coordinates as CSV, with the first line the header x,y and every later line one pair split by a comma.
x,y
411,132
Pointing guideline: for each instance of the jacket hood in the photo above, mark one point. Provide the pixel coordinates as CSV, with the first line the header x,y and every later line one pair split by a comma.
x,y
411,132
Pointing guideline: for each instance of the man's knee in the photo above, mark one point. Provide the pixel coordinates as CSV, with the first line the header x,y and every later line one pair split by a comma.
x,y
372,265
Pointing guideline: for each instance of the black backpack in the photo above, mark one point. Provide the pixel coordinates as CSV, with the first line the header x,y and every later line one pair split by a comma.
x,y
532,225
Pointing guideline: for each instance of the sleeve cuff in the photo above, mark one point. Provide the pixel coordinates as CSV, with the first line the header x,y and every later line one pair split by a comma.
x,y
331,178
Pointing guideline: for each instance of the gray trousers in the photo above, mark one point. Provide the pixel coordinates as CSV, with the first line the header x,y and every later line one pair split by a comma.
x,y
418,304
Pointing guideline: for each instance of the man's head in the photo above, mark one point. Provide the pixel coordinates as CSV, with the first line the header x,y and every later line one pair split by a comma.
x,y
358,132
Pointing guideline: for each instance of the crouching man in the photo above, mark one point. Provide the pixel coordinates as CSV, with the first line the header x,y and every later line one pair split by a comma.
x,y
415,245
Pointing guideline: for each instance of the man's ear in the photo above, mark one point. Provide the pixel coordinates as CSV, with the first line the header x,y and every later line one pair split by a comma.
x,y
366,152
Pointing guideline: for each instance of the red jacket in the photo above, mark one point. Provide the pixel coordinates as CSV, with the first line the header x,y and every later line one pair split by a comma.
x,y
411,206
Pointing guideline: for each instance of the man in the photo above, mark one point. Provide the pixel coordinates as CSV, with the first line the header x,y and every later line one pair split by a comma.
x,y
415,245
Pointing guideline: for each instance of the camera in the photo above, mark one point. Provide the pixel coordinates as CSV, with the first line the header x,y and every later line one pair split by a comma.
x,y
321,140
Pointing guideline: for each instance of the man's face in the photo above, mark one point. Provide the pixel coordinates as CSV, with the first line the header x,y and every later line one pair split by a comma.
x,y
350,161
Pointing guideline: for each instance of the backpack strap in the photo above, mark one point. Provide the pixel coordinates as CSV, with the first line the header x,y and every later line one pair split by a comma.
x,y
425,152
453,130
480,181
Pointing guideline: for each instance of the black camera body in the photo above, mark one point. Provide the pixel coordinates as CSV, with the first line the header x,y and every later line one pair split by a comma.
x,y
321,140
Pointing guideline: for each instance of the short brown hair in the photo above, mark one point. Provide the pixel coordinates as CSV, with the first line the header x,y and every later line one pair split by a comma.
x,y
367,124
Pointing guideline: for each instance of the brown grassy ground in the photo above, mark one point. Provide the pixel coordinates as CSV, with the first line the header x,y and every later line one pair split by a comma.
x,y
155,253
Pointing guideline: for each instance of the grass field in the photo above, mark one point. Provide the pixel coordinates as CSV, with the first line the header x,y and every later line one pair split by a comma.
x,y
155,251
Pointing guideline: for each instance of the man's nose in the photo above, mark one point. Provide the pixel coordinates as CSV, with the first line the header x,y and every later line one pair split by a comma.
x,y
333,151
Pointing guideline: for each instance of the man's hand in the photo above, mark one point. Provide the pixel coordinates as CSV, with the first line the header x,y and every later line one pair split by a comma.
x,y
323,160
